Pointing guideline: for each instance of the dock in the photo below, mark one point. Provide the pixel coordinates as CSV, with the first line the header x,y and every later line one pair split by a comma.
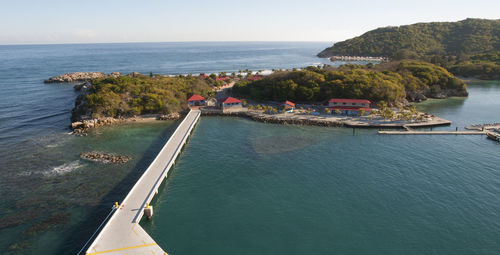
x,y
413,132
122,234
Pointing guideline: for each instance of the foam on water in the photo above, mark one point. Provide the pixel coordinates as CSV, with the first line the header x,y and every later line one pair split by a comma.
x,y
63,169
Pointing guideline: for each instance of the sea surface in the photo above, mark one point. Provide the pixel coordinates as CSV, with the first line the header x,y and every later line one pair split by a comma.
x,y
240,187
51,201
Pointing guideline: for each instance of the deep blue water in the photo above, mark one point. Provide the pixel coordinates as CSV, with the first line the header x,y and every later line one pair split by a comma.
x,y
27,105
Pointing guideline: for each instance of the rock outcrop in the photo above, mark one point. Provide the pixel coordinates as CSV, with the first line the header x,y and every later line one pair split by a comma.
x,y
171,116
104,157
79,77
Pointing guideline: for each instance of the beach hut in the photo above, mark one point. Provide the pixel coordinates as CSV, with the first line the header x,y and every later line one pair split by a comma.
x,y
229,102
287,106
349,106
196,100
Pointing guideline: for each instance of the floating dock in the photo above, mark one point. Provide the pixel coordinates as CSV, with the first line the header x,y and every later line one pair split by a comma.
x,y
413,132
122,234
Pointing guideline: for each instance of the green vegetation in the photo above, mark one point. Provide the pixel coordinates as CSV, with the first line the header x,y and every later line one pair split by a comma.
x,y
467,48
141,94
483,66
391,82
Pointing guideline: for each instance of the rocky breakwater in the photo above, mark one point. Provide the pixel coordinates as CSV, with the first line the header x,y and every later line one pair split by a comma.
x,y
79,77
278,118
81,126
170,116
104,157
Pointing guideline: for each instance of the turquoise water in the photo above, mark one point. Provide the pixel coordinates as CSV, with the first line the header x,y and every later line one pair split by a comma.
x,y
243,187
51,201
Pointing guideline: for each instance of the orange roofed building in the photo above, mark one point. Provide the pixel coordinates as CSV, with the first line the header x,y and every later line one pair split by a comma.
x,y
287,106
349,106
228,102
196,100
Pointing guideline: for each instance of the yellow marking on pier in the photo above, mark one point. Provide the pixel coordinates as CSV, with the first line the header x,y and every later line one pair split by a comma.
x,y
124,248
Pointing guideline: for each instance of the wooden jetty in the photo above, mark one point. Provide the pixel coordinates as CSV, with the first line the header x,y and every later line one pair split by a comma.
x,y
122,234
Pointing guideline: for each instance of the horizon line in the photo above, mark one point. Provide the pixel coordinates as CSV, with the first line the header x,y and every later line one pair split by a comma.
x,y
85,43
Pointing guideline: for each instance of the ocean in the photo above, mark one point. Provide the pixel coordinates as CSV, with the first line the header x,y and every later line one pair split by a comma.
x,y
240,187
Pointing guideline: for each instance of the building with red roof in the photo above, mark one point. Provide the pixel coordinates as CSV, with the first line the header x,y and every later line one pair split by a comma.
x,y
224,78
346,106
203,75
228,102
196,100
287,106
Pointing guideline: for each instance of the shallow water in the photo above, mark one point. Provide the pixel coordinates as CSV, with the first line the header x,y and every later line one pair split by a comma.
x,y
51,201
243,187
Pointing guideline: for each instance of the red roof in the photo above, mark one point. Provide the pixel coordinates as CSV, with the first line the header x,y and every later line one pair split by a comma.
x,y
204,75
350,108
288,103
344,100
222,78
196,98
229,100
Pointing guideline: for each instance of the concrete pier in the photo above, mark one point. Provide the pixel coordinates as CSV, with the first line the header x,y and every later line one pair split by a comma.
x,y
412,132
122,234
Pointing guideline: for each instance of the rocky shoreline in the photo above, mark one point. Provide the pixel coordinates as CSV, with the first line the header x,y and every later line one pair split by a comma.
x,y
324,121
105,158
82,126
81,116
79,77
273,120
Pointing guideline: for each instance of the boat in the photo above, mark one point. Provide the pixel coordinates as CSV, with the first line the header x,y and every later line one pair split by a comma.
x,y
493,136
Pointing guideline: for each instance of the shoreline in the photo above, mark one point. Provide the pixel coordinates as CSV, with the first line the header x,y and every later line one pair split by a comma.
x,y
325,120
81,127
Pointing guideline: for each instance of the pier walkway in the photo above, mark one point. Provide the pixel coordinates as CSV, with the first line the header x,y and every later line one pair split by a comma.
x,y
122,234
412,132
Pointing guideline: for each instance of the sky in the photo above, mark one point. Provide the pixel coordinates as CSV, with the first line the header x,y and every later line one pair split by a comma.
x,y
103,21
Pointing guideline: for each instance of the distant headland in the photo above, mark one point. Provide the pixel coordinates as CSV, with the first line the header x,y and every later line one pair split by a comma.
x,y
467,48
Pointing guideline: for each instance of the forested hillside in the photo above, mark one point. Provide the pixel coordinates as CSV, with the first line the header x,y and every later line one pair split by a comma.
x,y
467,48
139,94
391,82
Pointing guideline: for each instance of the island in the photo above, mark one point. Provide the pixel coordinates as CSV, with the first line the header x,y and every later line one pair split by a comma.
x,y
386,90
467,48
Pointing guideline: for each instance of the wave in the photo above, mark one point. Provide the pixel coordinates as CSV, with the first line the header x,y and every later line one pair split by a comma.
x,y
63,169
